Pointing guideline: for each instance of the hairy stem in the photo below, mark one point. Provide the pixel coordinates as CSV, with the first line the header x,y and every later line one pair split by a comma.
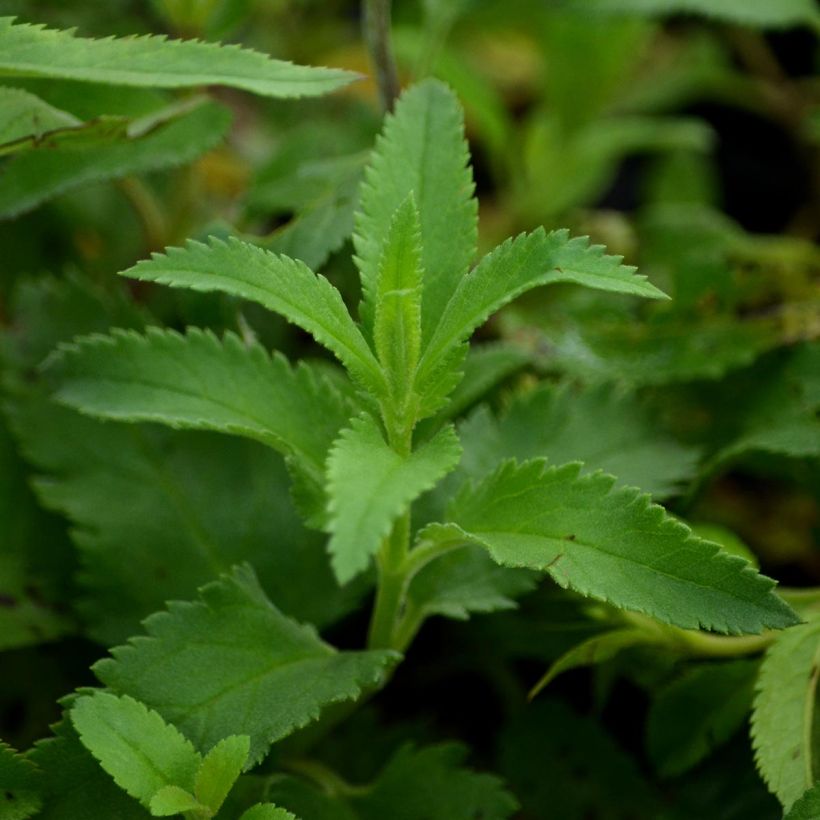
x,y
376,22
392,585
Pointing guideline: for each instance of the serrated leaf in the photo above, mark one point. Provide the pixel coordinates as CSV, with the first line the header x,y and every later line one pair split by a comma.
x,y
421,150
514,267
20,787
787,747
267,811
699,712
35,51
197,381
807,807
594,650
134,744
283,285
74,785
611,544
170,800
397,321
220,769
34,177
369,485
232,663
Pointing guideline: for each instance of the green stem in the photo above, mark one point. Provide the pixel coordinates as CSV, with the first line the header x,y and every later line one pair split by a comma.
x,y
392,584
376,22
328,781
147,208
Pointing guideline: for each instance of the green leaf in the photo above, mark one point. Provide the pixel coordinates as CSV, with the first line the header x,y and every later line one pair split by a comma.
x,y
197,381
514,267
397,322
370,485
20,787
134,744
422,151
780,14
807,807
699,712
594,650
170,800
220,769
283,285
34,177
35,51
606,429
25,116
786,743
267,811
611,544
231,663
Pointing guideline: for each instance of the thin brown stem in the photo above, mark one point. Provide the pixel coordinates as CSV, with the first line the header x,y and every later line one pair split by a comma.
x,y
376,22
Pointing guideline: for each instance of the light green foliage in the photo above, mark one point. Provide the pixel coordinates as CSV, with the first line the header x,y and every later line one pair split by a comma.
x,y
397,321
611,544
267,811
698,712
370,484
231,663
421,151
34,177
220,769
35,51
775,14
134,744
19,786
197,381
807,807
783,719
25,117
282,285
606,429
172,800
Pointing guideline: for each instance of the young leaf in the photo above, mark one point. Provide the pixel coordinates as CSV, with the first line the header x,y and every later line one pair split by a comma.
x,y
283,285
422,151
232,663
698,712
220,769
134,744
611,544
34,177
807,807
370,485
35,51
514,267
20,787
170,800
397,322
787,747
199,382
267,811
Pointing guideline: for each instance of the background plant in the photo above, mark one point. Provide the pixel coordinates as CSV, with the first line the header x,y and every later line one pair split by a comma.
x,y
646,390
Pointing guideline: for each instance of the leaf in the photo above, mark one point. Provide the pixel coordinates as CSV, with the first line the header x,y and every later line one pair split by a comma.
x,y
698,712
807,807
594,650
397,322
267,811
514,267
783,719
134,745
231,663
34,177
197,381
35,51
170,800
220,769
74,785
25,116
20,788
611,544
422,151
781,14
283,285
369,485
606,429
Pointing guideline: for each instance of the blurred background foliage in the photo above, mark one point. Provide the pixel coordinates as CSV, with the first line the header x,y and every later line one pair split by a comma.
x,y
683,135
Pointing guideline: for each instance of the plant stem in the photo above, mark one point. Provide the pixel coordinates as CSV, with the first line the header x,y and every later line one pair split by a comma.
x,y
376,23
392,585
147,208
